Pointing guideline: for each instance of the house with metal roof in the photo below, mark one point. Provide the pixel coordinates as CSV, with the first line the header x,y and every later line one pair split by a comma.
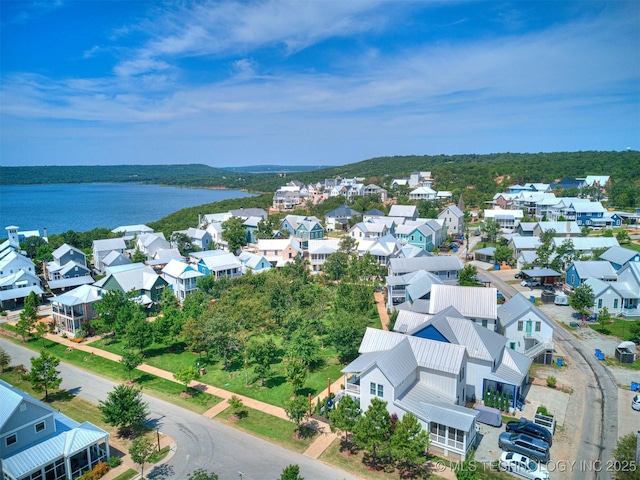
x,y
338,218
137,278
75,309
368,230
422,193
319,251
618,257
522,244
102,248
445,267
150,243
17,278
527,329
38,442
129,232
253,262
410,287
417,375
68,268
223,264
581,270
279,251
181,278
560,229
586,245
475,303
454,219
408,212
383,249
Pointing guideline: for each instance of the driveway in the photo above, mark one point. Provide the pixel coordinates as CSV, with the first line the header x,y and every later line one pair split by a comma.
x,y
201,442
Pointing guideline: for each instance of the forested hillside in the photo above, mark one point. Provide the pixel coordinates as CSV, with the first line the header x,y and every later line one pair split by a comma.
x,y
476,177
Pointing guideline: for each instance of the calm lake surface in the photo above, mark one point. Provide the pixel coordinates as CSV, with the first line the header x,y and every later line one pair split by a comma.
x,y
83,207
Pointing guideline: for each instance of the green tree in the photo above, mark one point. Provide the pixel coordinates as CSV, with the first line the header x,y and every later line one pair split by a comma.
x,y
348,245
195,336
186,375
130,360
234,233
502,254
372,430
304,346
201,474
265,229
291,472
409,442
263,354
622,236
345,416
41,332
468,276
335,266
141,451
124,408
138,332
236,404
364,268
43,375
5,359
108,308
625,454
582,299
604,317
295,371
138,257
24,326
546,249
296,409
491,228
31,244
345,334
469,469
183,243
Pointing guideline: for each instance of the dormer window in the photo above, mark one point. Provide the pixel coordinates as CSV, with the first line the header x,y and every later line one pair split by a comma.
x,y
40,426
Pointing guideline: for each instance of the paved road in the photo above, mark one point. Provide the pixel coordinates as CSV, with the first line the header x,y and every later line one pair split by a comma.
x,y
202,443
599,406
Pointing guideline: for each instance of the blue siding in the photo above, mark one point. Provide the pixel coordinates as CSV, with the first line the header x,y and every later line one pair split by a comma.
x,y
431,333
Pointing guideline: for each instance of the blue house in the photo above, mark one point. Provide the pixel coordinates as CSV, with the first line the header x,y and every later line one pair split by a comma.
x,y
618,257
579,271
303,228
38,442
588,213
421,237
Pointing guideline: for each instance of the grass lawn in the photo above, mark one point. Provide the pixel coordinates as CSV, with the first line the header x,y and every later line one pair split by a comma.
x,y
129,474
617,327
276,392
353,463
170,391
268,427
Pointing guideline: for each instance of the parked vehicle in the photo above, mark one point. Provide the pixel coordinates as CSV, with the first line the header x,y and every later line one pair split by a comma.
x,y
635,403
523,466
561,300
530,428
525,445
518,275
529,282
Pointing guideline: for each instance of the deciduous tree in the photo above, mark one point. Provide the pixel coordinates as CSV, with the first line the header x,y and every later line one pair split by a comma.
x,y
201,474
141,451
234,233
291,472
604,317
296,409
582,299
130,360
5,359
186,375
295,372
183,243
468,276
124,408
43,375
491,228
263,354
345,333
625,454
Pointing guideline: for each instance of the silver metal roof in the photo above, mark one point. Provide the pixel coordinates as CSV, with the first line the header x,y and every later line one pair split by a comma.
x,y
516,307
408,320
594,269
438,263
619,255
471,302
398,363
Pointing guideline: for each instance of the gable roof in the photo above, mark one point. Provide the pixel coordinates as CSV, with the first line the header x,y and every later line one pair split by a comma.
x,y
471,302
454,210
407,211
342,211
431,263
619,255
594,269
136,276
178,269
587,243
108,244
79,296
516,307
374,212
65,248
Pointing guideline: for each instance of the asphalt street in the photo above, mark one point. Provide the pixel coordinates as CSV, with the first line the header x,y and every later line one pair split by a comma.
x,y
202,443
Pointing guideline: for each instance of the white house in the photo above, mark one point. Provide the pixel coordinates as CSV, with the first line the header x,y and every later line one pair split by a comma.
x,y
453,219
75,309
102,248
368,230
422,193
17,278
408,212
319,251
151,243
445,267
279,252
253,262
181,278
475,303
129,232
527,329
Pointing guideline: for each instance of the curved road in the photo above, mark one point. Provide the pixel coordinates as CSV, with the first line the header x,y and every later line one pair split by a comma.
x,y
599,407
202,443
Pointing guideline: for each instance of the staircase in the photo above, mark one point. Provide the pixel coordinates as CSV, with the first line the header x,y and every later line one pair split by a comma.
x,y
538,348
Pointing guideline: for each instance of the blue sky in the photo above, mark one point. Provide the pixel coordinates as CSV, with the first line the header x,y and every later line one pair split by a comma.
x,y
230,83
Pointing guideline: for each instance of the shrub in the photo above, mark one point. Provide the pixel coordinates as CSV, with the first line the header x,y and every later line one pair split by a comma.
x,y
98,471
551,381
542,410
114,462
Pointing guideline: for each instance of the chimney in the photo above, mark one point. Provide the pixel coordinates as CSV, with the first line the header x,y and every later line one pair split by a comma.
x,y
44,233
199,220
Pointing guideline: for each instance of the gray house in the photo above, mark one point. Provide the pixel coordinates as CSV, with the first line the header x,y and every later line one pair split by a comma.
x,y
38,442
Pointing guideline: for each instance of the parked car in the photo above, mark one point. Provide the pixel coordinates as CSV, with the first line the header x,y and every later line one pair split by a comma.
x,y
523,466
561,300
529,282
518,275
525,445
530,428
635,403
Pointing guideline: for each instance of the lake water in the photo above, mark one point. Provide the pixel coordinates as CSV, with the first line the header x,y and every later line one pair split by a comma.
x,y
83,207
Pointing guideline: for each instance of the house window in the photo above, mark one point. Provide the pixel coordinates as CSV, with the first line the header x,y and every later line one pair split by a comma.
x,y
462,374
537,326
484,322
520,326
615,303
438,433
573,279
512,345
39,427
11,439
599,303
376,389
